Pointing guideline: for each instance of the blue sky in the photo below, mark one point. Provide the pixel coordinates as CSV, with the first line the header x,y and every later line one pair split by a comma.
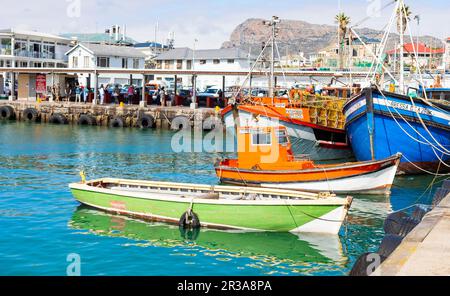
x,y
210,21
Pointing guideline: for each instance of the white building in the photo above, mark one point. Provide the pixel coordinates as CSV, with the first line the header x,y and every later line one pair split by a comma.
x,y
226,59
294,61
89,56
22,48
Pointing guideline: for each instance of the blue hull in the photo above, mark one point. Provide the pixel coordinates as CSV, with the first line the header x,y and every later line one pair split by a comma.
x,y
371,111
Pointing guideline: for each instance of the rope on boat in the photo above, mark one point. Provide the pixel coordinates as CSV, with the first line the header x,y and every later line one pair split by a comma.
x,y
417,132
425,127
311,216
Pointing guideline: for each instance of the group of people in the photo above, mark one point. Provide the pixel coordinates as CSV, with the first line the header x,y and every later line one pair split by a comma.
x,y
82,93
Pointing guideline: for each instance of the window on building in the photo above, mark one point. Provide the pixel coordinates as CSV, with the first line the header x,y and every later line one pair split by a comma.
x,y
189,64
124,63
202,62
158,64
179,64
75,62
230,61
86,62
135,63
103,62
5,46
48,50
168,64
216,62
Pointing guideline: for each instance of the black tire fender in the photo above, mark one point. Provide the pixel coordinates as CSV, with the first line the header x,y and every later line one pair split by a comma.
x,y
58,118
86,119
30,115
7,113
117,122
146,122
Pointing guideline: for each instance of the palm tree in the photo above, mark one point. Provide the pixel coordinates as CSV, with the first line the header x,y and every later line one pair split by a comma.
x,y
403,17
343,21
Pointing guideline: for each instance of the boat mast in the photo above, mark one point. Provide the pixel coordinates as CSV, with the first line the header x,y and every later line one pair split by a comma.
x,y
402,47
273,24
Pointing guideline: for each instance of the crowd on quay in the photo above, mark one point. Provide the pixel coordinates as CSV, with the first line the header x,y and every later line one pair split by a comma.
x,y
108,94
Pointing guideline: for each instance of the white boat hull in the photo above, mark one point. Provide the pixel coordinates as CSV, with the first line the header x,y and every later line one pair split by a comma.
x,y
374,183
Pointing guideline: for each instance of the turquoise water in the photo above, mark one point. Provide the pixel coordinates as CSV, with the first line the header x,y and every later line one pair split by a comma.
x,y
41,224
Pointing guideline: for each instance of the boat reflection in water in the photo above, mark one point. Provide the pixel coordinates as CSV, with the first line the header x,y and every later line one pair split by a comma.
x,y
276,248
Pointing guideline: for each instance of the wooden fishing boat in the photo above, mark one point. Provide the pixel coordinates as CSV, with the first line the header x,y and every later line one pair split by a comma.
x,y
222,207
265,159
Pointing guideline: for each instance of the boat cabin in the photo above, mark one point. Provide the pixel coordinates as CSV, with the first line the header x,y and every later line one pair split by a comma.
x,y
266,148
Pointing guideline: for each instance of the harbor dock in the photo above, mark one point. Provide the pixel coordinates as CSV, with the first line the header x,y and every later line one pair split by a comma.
x,y
152,116
425,251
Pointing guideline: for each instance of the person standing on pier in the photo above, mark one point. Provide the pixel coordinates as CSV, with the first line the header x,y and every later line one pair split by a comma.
x,y
85,94
101,92
130,95
163,96
116,94
77,94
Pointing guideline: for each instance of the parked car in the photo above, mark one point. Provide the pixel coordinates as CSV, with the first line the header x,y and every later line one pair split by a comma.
x,y
213,93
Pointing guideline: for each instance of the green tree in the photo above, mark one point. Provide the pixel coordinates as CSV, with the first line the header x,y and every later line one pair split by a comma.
x,y
343,21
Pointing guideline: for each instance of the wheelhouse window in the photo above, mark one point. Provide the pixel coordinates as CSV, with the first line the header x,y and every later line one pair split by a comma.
x,y
282,137
216,62
260,138
230,61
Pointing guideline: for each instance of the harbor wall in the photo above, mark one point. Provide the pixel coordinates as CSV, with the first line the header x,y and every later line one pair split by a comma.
x,y
176,117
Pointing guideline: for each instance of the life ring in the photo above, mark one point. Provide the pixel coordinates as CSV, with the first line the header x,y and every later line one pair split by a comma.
x,y
58,118
30,115
146,122
211,123
189,220
7,113
180,123
117,122
86,119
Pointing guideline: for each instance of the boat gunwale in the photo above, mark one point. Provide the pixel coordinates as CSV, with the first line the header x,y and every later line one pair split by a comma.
x,y
361,94
348,165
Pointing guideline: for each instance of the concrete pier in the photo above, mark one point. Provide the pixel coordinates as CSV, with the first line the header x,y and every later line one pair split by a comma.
x,y
426,250
109,115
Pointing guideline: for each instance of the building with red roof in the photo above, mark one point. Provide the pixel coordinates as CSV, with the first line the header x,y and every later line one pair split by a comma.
x,y
427,56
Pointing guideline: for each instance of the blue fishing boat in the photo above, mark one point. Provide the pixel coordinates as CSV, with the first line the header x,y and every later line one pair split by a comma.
x,y
380,124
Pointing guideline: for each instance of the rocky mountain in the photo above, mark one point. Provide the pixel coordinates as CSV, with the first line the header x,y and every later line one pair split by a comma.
x,y
298,36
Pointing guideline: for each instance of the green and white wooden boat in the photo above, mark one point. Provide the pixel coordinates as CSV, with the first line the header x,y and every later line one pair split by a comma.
x,y
221,207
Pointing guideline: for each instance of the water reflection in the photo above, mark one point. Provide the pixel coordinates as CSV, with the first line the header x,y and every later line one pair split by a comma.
x,y
285,250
